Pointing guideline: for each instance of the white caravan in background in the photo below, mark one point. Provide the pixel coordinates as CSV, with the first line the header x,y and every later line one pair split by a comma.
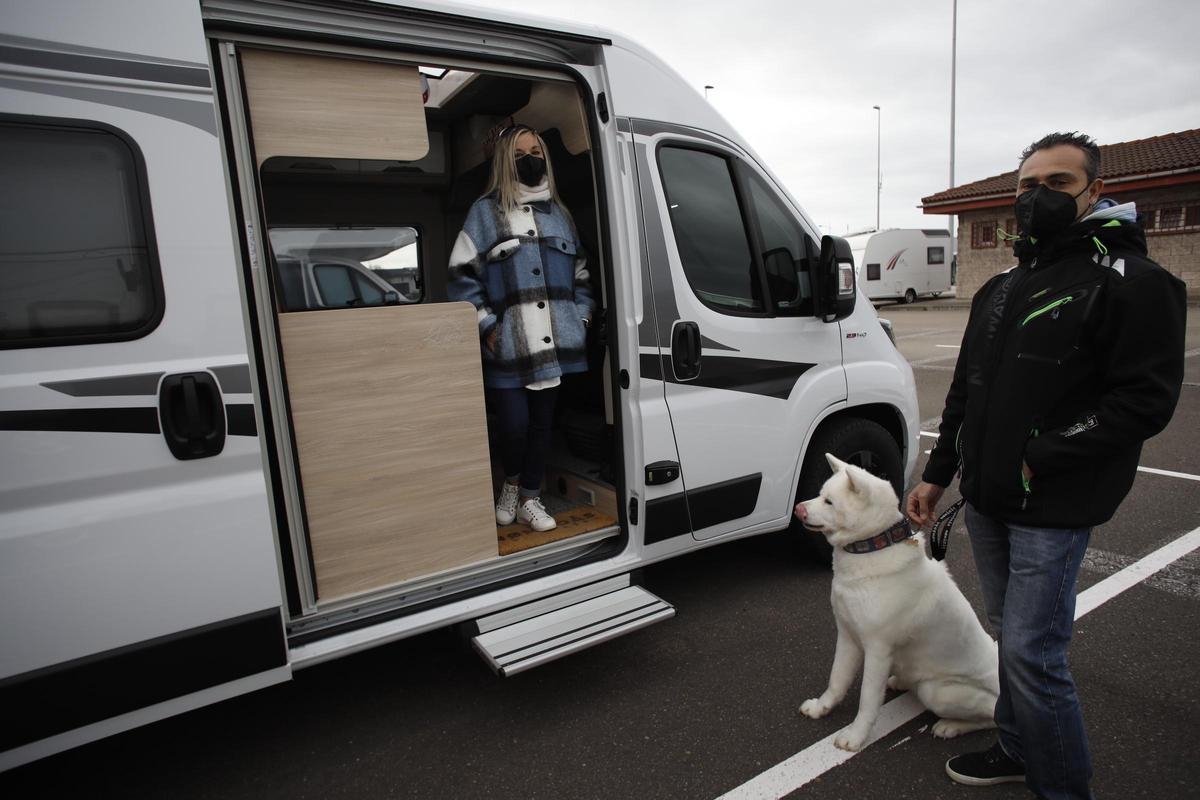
x,y
903,263
242,428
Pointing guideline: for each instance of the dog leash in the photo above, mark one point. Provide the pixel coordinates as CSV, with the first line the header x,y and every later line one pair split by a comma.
x,y
939,534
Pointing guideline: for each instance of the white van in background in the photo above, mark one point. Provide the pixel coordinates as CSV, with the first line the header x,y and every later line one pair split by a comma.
x,y
242,428
903,263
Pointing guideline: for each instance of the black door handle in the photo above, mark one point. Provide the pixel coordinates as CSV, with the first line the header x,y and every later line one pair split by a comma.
x,y
192,415
685,350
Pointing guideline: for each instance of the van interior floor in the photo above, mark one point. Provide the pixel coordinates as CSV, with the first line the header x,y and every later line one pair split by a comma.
x,y
574,519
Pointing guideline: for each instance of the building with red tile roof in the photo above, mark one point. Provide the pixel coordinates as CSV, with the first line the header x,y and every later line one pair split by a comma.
x,y
1161,174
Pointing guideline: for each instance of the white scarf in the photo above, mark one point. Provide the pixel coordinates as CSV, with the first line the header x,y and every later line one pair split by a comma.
x,y
534,194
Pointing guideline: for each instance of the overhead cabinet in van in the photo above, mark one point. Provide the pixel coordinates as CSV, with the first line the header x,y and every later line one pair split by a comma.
x,y
243,425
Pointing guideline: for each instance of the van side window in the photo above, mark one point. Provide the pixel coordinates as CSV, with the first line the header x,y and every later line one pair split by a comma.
x,y
709,232
872,272
346,266
77,256
784,253
936,255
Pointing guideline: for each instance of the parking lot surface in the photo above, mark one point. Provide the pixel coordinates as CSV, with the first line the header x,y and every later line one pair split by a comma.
x,y
703,705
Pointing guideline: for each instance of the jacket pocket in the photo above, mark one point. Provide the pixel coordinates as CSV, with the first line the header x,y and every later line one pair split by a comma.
x,y
1051,330
503,250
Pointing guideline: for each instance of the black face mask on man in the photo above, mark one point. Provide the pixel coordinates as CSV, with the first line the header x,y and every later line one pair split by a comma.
x,y
1043,212
531,169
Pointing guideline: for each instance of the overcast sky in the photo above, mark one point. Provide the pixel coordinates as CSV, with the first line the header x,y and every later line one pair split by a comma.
x,y
798,80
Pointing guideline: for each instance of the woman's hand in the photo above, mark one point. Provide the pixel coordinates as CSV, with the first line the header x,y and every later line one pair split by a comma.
x,y
491,340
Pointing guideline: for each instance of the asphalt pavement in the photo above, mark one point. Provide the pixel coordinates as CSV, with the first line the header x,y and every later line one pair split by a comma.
x,y
697,706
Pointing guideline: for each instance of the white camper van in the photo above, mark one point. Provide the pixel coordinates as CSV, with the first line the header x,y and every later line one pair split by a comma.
x,y
903,263
242,430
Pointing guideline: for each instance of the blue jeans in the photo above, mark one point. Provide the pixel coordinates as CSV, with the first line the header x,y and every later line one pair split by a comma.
x,y
1028,581
524,418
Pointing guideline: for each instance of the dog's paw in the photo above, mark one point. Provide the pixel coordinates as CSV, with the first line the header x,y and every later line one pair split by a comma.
x,y
950,728
850,738
814,708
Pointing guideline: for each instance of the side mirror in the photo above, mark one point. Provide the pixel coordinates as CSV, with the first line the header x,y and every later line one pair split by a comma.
x,y
836,288
391,298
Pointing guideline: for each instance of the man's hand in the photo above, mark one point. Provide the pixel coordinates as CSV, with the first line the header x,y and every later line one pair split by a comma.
x,y
922,502
491,340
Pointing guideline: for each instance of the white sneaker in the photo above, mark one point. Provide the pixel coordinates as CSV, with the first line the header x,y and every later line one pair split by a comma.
x,y
506,506
533,514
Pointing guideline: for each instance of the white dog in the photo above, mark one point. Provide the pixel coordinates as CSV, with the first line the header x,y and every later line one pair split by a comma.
x,y
898,613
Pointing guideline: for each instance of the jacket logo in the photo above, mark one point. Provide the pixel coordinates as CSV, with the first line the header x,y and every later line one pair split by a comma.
x,y
1079,427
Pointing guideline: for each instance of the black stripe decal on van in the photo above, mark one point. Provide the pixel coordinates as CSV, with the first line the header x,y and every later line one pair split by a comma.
x,y
66,696
115,386
233,378
239,420
100,65
91,420
733,373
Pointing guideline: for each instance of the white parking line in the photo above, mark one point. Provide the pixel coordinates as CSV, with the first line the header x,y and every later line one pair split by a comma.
x,y
1169,474
817,759
955,346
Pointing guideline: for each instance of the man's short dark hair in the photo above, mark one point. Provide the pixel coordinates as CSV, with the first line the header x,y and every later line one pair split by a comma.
x,y
1091,150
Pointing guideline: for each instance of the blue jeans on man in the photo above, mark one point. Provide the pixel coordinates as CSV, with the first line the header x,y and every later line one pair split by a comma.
x,y
1028,579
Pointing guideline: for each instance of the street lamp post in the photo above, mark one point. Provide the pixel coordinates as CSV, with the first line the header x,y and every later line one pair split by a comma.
x,y
953,70
878,161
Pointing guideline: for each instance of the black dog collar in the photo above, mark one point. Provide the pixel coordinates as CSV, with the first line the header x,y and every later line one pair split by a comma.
x,y
893,535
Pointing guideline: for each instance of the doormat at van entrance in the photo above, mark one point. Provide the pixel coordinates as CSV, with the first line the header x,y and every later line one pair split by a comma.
x,y
572,521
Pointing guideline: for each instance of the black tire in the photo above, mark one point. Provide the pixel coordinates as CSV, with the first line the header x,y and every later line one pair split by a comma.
x,y
860,442
936,295
910,297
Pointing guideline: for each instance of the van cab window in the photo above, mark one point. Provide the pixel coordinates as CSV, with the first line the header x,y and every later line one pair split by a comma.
x,y
77,257
709,233
784,251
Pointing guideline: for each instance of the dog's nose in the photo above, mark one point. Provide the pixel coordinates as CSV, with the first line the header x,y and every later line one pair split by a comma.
x,y
801,512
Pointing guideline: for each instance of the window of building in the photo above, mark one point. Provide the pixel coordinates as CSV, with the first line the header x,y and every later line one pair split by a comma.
x,y
77,256
1010,227
872,272
1171,217
983,234
709,233
935,255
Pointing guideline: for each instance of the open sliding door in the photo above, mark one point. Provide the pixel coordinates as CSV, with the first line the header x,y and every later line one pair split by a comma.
x,y
385,400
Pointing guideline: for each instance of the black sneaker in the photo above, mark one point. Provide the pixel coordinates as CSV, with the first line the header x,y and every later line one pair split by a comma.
x,y
990,767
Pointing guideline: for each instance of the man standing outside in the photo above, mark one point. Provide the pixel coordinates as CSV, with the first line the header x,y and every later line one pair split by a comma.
x,y
1069,362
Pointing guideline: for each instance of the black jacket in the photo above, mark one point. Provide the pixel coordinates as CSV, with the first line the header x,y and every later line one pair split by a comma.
x,y
1069,361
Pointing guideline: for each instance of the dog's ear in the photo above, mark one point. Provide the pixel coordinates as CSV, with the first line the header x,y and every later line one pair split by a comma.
x,y
835,463
853,480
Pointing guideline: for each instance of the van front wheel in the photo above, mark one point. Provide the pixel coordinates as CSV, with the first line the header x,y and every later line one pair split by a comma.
x,y
910,297
860,442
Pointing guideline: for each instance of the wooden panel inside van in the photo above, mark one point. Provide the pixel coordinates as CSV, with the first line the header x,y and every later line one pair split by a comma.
x,y
388,414
324,107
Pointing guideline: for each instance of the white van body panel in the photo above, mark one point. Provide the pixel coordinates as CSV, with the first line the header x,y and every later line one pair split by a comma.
x,y
107,541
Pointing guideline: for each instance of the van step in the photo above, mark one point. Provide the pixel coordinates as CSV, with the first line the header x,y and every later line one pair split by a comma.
x,y
548,635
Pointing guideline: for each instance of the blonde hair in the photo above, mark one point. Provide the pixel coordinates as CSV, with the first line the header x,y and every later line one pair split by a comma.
x,y
504,182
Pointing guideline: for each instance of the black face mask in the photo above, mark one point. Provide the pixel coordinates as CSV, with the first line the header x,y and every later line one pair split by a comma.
x,y
531,169
1043,212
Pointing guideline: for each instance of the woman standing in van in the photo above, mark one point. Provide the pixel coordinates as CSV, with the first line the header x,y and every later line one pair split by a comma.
x,y
518,261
